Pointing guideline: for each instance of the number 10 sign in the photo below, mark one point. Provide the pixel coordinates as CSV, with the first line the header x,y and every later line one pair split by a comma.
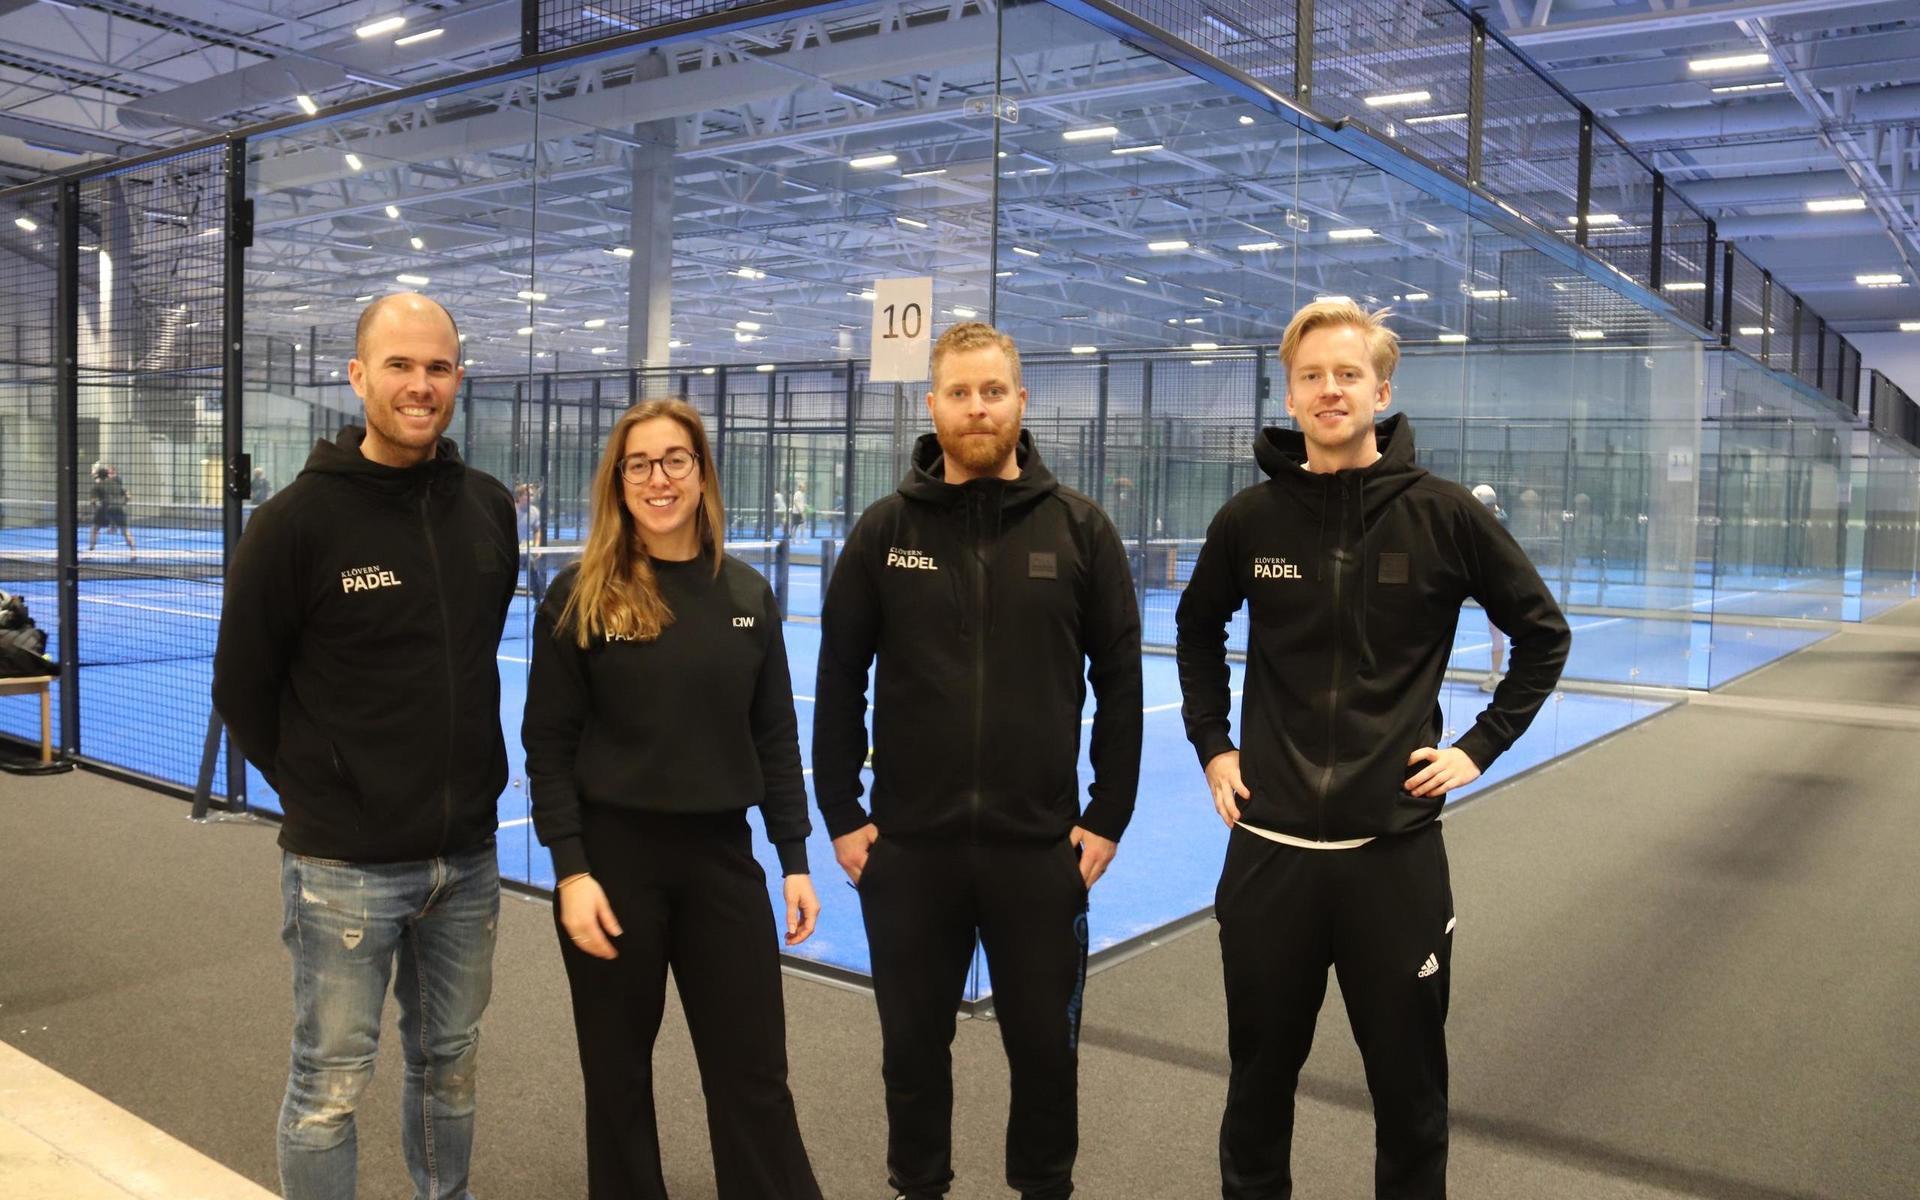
x,y
902,330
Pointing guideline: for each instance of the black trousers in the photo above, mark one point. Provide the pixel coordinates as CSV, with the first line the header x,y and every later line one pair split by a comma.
x,y
688,894
924,902
1382,917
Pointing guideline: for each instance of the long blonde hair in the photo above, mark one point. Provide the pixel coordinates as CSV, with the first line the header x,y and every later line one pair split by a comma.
x,y
615,594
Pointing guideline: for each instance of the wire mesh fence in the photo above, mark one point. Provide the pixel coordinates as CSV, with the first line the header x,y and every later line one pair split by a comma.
x,y
29,389
149,460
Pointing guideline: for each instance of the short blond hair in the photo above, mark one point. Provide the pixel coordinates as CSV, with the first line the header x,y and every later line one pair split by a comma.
x,y
976,335
1383,344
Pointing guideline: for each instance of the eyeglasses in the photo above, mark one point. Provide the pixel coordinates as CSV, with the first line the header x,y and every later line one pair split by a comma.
x,y
677,463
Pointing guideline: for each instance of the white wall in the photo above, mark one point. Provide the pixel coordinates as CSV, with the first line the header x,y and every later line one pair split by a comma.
x,y
1895,355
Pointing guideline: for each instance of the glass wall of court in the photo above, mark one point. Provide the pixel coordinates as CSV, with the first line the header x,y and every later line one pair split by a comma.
x,y
707,218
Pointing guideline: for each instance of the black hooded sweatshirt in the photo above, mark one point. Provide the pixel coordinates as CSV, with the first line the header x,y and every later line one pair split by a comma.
x,y
1354,582
357,658
991,604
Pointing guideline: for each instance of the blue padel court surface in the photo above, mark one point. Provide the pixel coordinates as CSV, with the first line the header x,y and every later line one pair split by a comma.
x,y
147,627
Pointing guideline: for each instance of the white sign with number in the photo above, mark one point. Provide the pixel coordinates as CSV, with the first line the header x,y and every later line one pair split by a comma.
x,y
902,330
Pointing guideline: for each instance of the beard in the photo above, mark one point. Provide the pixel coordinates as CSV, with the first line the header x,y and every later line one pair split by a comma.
x,y
979,455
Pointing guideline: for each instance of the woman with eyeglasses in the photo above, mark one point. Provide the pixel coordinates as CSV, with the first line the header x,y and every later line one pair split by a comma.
x,y
659,709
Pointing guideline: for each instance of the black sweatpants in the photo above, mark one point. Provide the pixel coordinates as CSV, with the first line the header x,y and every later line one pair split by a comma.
x,y
1382,917
688,894
924,901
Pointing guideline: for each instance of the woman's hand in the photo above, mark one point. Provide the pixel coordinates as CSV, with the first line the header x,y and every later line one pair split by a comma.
x,y
803,908
587,917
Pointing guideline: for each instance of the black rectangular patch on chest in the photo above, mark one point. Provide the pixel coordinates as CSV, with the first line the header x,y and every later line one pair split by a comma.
x,y
1043,564
1393,567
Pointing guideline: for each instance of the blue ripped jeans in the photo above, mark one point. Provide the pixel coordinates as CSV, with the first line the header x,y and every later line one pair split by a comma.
x,y
345,925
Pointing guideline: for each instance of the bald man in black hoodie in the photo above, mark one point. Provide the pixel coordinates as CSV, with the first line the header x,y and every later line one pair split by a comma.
x,y
1354,563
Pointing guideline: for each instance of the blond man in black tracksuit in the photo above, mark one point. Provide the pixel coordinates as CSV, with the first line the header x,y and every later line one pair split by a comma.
x,y
991,596
1354,563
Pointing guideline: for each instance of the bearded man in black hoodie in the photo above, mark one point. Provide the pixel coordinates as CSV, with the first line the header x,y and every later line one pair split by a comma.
x,y
356,668
1354,563
986,589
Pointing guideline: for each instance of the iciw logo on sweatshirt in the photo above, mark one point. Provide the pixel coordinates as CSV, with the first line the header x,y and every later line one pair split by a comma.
x,y
912,560
366,579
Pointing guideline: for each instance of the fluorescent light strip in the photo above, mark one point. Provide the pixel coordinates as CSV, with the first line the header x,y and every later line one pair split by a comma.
x,y
1350,235
1847,204
1736,88
412,280
596,323
1086,349
923,174
1587,335
528,294
306,104
1891,280
1910,327
1023,252
749,326
868,162
525,331
1174,244
423,36
1685,286
1149,148
1729,62
26,223
1257,247
383,25
1211,300
1204,346
910,223
1393,98
1091,134
1435,119
1333,299
763,368
1487,294
600,350
1453,338
620,251
1135,279
1411,296
353,160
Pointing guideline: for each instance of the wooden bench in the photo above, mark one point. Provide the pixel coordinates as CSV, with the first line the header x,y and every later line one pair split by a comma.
x,y
27,685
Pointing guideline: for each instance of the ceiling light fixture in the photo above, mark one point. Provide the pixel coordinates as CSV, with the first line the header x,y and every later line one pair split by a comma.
x,y
417,243
1588,335
413,280
596,323
964,313
26,223
1434,119
910,223
423,36
306,104
1729,62
1350,235
620,251
1204,346
922,174
749,326
353,160
526,294
1257,247
383,25
1848,204
1736,88
525,331
1149,148
1878,281
1086,349
1090,134
1134,279
868,162
1685,286
1392,99
1023,252
1410,296
1454,338
393,213
750,273
763,368
1173,244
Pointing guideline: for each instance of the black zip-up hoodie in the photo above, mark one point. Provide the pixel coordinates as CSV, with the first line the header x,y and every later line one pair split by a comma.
x,y
357,657
991,604
1354,582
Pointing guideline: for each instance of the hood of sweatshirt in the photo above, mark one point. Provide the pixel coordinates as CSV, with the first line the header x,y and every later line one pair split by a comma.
x,y
981,506
1347,504
342,456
